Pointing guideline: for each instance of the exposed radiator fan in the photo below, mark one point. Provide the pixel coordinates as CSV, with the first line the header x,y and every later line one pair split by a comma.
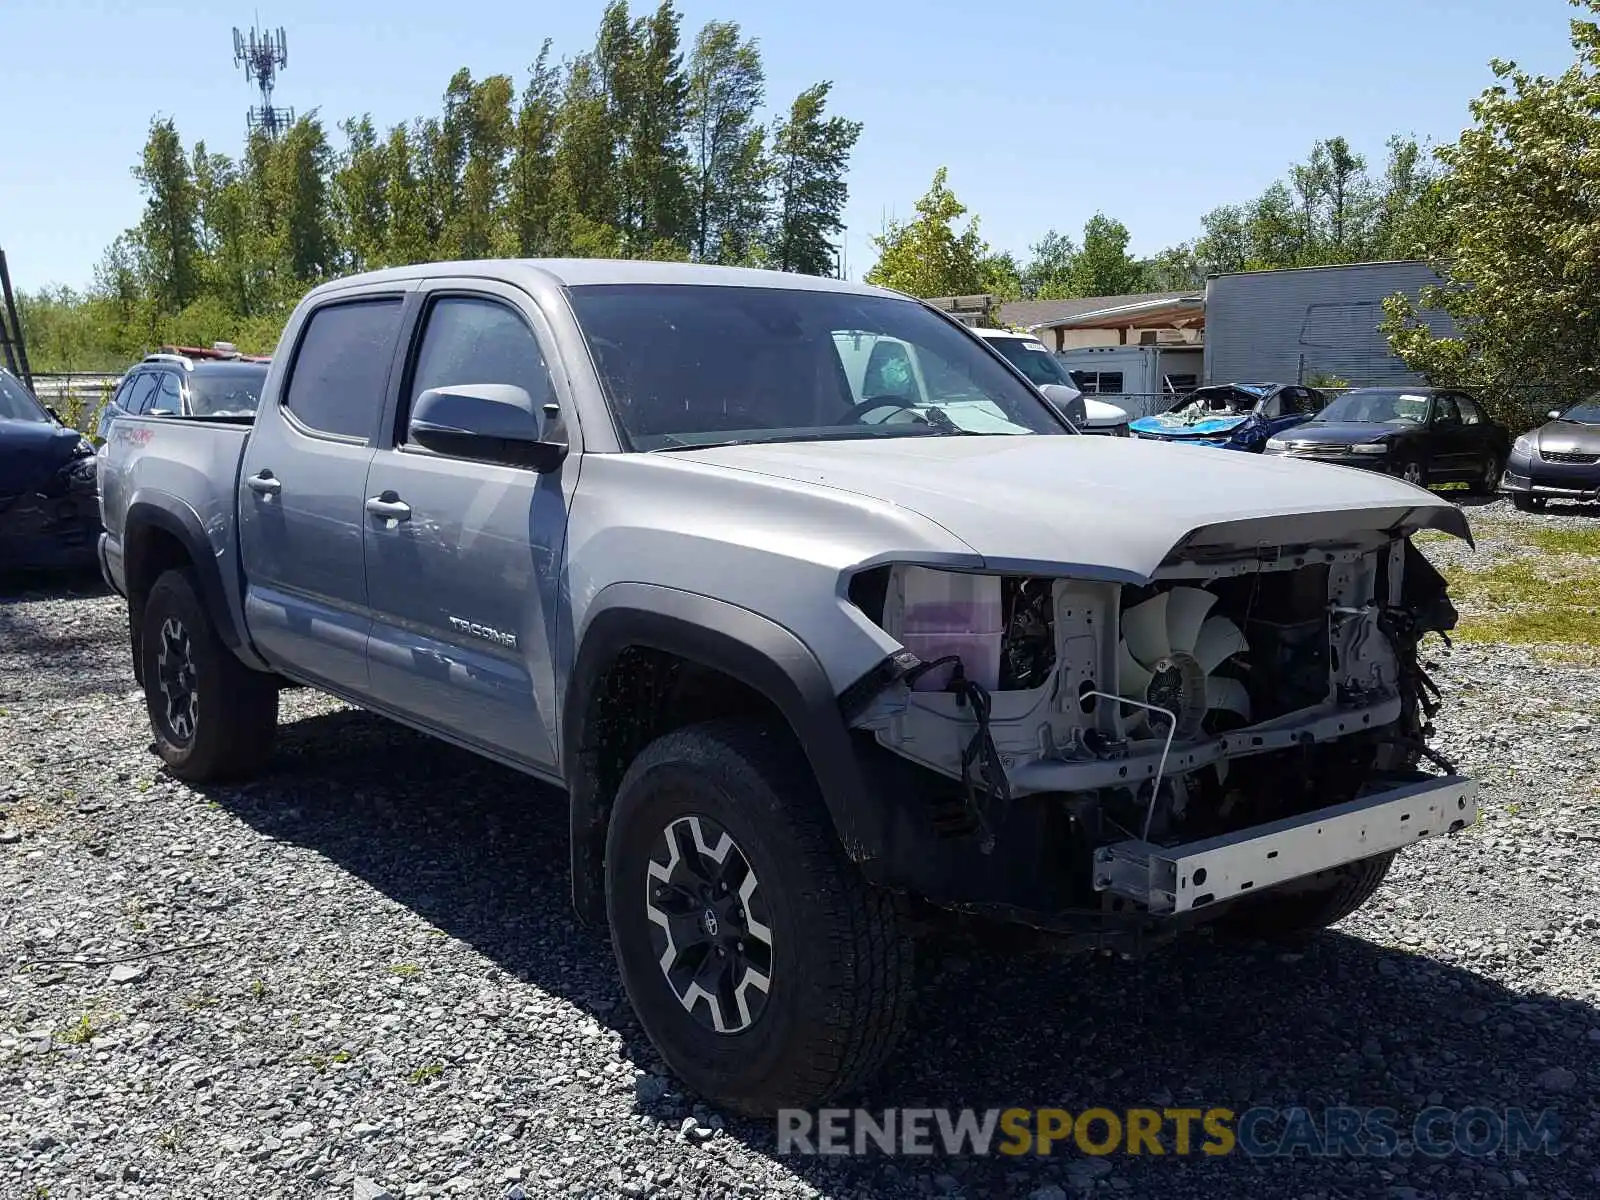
x,y
1171,648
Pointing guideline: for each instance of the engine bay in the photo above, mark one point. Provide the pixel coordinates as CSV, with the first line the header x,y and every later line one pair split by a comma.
x,y
1172,705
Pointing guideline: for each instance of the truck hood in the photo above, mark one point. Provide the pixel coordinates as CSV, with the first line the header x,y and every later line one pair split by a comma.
x,y
1104,508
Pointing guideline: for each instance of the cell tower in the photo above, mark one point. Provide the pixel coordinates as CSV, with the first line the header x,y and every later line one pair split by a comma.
x,y
263,55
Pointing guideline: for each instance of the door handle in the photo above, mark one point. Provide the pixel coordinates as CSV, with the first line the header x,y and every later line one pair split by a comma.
x,y
390,507
264,484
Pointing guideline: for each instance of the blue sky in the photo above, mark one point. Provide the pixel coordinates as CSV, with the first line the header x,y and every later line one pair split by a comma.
x,y
1153,110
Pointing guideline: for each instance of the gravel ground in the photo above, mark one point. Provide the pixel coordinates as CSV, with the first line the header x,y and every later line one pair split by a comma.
x,y
365,967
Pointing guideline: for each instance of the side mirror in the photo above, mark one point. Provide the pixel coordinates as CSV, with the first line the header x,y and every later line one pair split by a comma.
x,y
1554,414
1067,401
494,422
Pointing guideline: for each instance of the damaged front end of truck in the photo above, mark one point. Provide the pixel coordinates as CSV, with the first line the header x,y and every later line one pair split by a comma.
x,y
1107,758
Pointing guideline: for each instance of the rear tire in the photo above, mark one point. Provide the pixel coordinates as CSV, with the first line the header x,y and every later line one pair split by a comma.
x,y
783,901
213,717
1414,472
1313,903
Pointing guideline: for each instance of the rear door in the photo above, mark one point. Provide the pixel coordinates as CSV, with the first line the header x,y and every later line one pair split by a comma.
x,y
302,490
464,557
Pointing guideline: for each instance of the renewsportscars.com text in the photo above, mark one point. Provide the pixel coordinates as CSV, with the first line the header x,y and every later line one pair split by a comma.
x,y
1261,1132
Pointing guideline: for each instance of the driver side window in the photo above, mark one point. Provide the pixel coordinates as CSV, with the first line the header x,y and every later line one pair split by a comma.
x,y
468,341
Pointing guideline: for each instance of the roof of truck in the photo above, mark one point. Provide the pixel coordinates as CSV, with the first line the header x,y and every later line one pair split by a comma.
x,y
581,272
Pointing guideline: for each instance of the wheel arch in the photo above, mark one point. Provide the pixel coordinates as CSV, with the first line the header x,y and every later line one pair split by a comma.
x,y
161,533
761,658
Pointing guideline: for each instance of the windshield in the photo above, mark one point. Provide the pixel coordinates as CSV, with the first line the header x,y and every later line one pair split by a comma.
x,y
226,391
1032,359
1216,402
16,404
1377,406
687,365
1586,413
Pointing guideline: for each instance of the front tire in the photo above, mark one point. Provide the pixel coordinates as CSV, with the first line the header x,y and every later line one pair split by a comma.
x,y
719,842
1414,472
1486,483
1308,905
213,717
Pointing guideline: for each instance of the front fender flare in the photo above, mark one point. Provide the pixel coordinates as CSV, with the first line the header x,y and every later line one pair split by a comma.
x,y
759,653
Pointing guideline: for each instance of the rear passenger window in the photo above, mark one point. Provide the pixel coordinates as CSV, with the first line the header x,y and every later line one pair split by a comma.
x,y
337,381
468,340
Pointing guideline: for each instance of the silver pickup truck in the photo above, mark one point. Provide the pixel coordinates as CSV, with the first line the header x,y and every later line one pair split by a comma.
x,y
816,661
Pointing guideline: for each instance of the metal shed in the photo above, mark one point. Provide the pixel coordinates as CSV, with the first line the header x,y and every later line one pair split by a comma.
x,y
1288,326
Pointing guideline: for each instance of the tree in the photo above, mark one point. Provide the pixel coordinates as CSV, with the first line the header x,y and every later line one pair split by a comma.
x,y
811,154
360,195
726,86
531,184
1520,200
167,238
301,163
478,228
926,256
1103,267
654,166
1175,269
1048,275
409,240
585,163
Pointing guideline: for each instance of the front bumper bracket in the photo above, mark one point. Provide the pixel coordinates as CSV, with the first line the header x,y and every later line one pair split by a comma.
x,y
1168,880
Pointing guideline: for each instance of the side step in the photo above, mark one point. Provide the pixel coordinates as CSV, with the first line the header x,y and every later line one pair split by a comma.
x,y
1177,879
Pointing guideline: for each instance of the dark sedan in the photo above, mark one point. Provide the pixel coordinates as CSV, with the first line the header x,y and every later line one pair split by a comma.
x,y
49,501
1422,435
1559,460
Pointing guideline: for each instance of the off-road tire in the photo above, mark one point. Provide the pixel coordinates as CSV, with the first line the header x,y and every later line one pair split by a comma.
x,y
841,966
1308,905
236,709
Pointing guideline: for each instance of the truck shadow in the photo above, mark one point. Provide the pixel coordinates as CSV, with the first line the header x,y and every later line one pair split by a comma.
x,y
480,852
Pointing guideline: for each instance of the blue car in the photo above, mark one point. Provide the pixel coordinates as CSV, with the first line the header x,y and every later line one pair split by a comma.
x,y
1233,416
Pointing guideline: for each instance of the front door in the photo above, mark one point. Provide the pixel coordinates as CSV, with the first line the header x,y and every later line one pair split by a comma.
x,y
302,490
464,557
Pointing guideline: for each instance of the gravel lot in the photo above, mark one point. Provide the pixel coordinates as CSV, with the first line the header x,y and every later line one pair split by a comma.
x,y
365,966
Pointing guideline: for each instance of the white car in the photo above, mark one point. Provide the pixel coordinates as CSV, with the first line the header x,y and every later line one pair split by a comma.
x,y
1030,356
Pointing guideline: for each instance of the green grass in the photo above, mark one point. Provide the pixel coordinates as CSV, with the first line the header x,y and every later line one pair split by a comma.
x,y
405,970
1568,541
426,1074
1527,602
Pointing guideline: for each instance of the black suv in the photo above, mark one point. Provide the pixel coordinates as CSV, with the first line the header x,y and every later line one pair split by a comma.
x,y
181,383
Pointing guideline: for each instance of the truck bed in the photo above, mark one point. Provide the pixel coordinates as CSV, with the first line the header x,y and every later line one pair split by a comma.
x,y
188,467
